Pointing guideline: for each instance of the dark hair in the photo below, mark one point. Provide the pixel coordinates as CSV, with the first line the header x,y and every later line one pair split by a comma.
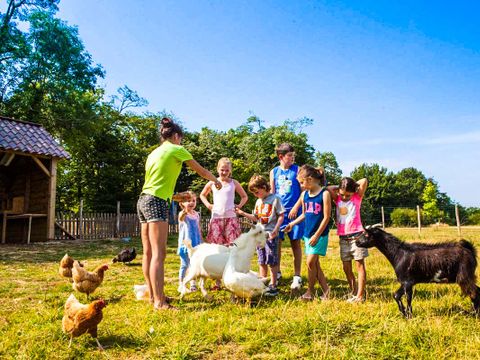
x,y
315,173
258,182
348,184
168,128
283,149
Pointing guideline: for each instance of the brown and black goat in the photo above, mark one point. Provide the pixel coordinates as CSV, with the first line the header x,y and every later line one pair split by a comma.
x,y
447,262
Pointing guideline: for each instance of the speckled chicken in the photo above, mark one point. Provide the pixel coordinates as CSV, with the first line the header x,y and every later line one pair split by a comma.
x,y
87,281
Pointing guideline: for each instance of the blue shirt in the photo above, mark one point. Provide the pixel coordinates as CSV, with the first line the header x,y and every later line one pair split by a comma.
x,y
314,213
189,228
287,186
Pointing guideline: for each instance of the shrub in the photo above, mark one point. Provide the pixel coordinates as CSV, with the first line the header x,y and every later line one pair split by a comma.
x,y
403,217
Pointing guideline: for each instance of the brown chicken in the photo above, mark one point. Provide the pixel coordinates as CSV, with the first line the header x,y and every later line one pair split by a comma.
x,y
79,319
86,281
66,265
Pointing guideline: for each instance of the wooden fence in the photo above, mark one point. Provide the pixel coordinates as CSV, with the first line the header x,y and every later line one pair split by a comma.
x,y
96,225
90,226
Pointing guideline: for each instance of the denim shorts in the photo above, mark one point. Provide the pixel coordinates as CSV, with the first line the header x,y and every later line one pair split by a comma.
x,y
151,208
269,254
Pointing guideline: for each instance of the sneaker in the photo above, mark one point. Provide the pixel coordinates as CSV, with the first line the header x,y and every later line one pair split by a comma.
x,y
272,291
279,276
193,288
296,283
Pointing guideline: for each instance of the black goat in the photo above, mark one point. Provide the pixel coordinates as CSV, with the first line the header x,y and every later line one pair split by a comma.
x,y
448,262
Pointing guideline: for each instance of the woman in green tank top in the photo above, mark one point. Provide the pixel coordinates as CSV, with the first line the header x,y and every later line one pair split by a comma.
x,y
162,169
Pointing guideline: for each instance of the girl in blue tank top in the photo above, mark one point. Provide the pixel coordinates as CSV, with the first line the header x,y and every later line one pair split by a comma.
x,y
189,229
316,204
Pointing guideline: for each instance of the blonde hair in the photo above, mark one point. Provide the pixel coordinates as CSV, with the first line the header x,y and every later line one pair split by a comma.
x,y
183,213
225,161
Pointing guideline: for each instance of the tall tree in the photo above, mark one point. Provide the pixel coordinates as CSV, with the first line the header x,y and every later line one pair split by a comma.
x,y
409,184
54,74
329,162
431,212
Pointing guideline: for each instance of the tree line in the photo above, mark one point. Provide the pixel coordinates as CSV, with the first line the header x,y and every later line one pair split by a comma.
x,y
48,77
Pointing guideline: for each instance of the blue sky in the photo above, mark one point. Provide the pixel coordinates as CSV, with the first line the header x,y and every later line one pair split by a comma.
x,y
391,82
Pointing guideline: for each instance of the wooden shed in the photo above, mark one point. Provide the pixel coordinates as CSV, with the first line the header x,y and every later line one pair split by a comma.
x,y
28,168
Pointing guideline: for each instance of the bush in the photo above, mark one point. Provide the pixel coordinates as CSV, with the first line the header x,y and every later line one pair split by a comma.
x,y
403,217
474,219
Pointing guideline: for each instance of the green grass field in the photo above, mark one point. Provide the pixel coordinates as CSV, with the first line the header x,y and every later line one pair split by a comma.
x,y
32,296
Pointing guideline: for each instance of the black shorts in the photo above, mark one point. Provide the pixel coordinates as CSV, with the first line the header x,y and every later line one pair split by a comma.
x,y
151,208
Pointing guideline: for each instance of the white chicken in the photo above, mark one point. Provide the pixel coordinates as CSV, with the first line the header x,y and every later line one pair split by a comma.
x,y
244,284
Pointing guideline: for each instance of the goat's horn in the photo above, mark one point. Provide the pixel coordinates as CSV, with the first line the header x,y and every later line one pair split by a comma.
x,y
377,225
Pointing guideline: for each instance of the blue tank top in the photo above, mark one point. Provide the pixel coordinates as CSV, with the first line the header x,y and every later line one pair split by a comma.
x,y
188,229
314,213
287,186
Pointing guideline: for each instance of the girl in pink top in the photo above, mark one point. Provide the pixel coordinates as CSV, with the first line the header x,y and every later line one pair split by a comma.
x,y
224,225
348,200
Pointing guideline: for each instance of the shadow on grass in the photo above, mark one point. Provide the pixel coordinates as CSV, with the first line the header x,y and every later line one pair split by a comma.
x,y
123,342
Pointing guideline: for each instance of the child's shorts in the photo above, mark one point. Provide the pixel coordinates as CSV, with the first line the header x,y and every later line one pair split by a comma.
x,y
320,247
223,231
350,251
269,254
151,208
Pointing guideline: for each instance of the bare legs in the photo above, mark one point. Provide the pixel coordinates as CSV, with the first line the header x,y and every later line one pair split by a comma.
x,y
315,274
359,290
297,255
273,273
154,241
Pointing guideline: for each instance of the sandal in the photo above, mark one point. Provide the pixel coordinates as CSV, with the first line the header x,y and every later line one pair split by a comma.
x,y
325,296
306,297
167,306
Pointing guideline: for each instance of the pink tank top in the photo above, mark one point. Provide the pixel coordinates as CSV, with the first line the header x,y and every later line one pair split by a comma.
x,y
348,215
224,201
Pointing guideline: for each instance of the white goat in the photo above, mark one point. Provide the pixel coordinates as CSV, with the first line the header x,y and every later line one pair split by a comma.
x,y
244,284
209,260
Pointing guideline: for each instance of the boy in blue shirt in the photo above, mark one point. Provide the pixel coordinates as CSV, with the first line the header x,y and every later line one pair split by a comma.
x,y
284,183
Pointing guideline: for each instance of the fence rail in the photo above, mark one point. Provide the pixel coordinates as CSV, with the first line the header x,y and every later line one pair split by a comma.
x,y
91,226
115,225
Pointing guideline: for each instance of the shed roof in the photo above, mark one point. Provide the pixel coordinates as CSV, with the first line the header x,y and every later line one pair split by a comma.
x,y
27,137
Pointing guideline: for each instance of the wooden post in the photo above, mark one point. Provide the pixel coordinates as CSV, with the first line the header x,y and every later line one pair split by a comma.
x,y
383,219
80,221
51,200
117,225
419,219
457,217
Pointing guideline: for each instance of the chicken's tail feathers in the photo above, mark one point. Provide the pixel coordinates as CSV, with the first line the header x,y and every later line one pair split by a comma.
x,y
71,299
